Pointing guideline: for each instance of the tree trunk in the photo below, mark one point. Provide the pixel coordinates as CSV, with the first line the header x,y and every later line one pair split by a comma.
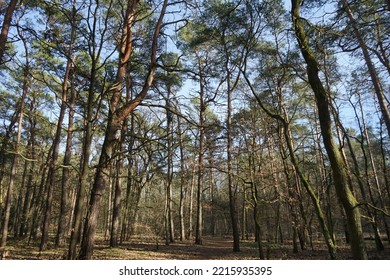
x,y
117,114
232,191
339,174
14,166
169,202
64,217
199,216
383,104
5,27
191,206
182,181
371,215
116,212
29,185
55,154
38,197
285,138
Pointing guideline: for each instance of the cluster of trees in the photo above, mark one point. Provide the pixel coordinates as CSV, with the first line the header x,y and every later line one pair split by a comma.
x,y
180,119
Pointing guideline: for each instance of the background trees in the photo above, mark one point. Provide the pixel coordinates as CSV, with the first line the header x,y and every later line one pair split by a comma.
x,y
186,119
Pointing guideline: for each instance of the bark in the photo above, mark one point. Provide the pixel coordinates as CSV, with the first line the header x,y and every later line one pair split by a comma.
x,y
116,212
130,186
213,225
232,191
199,217
343,190
182,181
6,26
169,216
191,206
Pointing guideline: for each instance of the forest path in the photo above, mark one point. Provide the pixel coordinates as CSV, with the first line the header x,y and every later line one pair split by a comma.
x,y
212,248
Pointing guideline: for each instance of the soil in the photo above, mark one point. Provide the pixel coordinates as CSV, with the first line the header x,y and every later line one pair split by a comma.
x,y
213,248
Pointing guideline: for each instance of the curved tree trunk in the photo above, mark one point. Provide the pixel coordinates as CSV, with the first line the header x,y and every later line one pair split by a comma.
x,y
284,132
117,114
343,190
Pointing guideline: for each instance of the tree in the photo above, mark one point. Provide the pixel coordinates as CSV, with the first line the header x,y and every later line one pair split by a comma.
x,y
90,67
383,103
343,189
14,166
117,114
5,27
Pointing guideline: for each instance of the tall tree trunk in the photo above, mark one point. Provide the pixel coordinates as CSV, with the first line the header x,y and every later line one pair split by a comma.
x,y
64,217
38,196
343,190
202,110
116,212
55,154
232,191
14,165
169,202
83,180
385,174
65,211
383,104
366,150
191,204
6,26
117,114
130,186
5,145
31,171
182,181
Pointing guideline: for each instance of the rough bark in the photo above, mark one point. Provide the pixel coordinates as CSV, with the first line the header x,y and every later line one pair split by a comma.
x,y
116,211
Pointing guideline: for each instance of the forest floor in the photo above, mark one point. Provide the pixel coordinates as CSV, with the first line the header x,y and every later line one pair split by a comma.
x,y
213,248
